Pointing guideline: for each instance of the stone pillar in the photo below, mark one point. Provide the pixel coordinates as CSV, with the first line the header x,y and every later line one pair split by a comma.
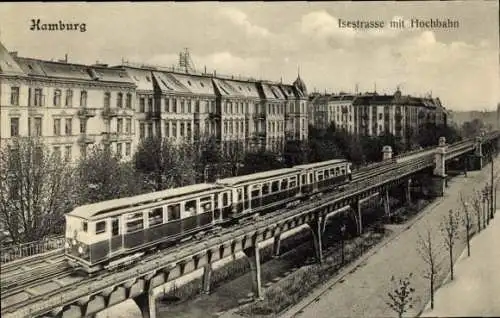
x,y
207,275
316,227
146,304
276,245
253,255
408,192
439,174
387,207
386,153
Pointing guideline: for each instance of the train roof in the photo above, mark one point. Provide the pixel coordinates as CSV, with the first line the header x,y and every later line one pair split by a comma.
x,y
320,164
255,176
91,210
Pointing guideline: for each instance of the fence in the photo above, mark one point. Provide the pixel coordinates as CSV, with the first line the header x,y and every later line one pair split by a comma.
x,y
15,252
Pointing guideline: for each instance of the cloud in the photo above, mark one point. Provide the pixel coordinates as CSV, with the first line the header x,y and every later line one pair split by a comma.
x,y
240,18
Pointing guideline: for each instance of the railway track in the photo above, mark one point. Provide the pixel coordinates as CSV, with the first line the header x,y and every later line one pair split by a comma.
x,y
84,286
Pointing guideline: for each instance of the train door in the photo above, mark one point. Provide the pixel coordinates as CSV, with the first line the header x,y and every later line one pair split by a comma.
x,y
116,242
246,201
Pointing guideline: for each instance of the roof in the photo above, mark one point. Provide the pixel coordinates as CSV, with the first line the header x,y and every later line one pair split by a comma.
x,y
320,164
8,65
91,210
255,176
167,83
141,77
271,91
200,85
225,89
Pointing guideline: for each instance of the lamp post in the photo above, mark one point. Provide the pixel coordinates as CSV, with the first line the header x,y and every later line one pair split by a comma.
x,y
485,208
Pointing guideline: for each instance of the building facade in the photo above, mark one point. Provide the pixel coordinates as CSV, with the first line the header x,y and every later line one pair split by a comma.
x,y
72,106
371,114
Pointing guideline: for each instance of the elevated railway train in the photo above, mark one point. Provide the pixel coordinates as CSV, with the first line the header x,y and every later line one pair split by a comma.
x,y
110,233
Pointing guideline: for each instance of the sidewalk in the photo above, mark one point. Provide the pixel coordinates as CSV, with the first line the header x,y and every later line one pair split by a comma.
x,y
475,291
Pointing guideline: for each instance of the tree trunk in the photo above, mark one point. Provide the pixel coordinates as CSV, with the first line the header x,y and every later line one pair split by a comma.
x,y
451,262
432,291
468,241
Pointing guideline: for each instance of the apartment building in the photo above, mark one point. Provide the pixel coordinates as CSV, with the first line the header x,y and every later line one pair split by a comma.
x,y
371,114
72,106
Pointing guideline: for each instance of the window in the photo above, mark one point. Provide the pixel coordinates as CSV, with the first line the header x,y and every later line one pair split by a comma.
x,y
142,131
174,105
119,100
380,116
128,101
182,130
68,127
107,99
119,149
85,226
197,106
225,199
182,106
167,129
173,212
83,126
14,127
14,96
128,149
284,184
67,153
57,127
119,125
69,98
38,127
206,204
150,104
265,189
275,186
38,97
190,208
142,105
100,227
135,222
188,130
155,217
174,130
83,99
293,182
128,126
57,98
150,130
189,106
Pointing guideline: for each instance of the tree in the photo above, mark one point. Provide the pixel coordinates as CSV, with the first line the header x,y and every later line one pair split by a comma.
x,y
449,230
210,159
101,176
472,128
428,252
297,152
235,155
401,297
466,221
35,190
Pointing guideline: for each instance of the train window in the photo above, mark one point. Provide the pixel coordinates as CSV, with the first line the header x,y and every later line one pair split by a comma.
x,y
342,171
134,216
293,183
225,199
332,172
284,184
275,186
206,204
85,226
265,189
100,227
155,217
303,178
174,212
337,171
216,201
240,194
327,174
190,208
136,225
319,175
255,191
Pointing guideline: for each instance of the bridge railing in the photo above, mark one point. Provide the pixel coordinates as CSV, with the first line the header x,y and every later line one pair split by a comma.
x,y
16,252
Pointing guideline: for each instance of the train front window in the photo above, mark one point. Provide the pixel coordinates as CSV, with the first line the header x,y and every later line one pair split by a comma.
x,y
190,208
155,216
174,212
100,227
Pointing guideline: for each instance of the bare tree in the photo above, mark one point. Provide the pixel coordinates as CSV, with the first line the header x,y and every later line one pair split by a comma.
x,y
401,297
235,156
428,251
476,205
449,230
35,190
466,221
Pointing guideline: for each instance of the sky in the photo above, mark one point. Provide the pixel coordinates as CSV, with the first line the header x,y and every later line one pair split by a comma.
x,y
274,41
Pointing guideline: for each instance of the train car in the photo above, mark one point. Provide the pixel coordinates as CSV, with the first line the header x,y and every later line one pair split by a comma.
x,y
321,176
257,192
100,233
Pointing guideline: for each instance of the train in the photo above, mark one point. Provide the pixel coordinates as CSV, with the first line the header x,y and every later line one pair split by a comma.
x,y
108,234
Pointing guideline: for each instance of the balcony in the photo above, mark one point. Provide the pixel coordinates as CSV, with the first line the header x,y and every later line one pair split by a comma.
x,y
109,137
86,112
86,139
109,112
260,116
153,114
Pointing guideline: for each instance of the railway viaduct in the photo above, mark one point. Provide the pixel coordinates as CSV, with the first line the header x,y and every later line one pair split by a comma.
x,y
145,280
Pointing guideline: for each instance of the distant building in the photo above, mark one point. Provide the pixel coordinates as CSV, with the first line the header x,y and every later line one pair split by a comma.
x,y
372,114
72,106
